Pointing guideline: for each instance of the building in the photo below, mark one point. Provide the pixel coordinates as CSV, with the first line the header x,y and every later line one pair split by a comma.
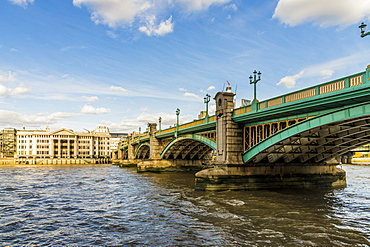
x,y
115,140
63,144
7,142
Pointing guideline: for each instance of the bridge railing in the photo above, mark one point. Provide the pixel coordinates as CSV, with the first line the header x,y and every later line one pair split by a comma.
x,y
328,87
194,123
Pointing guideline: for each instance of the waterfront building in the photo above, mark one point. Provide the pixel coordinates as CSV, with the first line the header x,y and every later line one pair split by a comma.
x,y
63,143
7,142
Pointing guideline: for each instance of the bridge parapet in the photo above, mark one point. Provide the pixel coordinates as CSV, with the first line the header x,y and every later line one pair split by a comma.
x,y
330,87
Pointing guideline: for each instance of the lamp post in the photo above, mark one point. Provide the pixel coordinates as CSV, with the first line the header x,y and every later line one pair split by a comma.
x,y
206,101
362,27
255,80
177,122
160,123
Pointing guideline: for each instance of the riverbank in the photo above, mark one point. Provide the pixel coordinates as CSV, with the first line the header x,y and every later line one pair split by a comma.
x,y
61,161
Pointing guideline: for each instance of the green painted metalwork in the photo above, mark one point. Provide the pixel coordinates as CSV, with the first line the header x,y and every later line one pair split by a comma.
x,y
194,137
200,125
323,94
328,118
141,145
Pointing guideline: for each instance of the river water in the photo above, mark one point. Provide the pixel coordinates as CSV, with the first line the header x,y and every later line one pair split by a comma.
x,y
104,205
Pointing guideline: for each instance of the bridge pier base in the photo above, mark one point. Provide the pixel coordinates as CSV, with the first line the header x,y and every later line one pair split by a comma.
x,y
126,163
174,165
270,177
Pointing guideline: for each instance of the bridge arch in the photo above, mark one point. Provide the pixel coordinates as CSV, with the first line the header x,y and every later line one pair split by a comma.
x,y
189,146
143,151
315,140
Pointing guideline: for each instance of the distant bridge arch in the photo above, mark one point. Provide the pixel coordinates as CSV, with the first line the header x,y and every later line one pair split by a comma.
x,y
143,151
190,146
315,140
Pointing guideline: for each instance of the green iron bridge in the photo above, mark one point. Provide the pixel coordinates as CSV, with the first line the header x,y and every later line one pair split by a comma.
x,y
301,132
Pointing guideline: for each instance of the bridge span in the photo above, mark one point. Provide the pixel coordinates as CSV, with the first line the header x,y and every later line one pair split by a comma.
x,y
295,139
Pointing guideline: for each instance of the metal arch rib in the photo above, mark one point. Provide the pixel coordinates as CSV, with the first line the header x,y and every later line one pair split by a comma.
x,y
349,117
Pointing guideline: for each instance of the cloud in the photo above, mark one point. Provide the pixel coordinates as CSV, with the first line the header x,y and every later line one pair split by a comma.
x,y
114,12
182,89
191,95
326,73
290,81
151,29
142,13
197,5
88,109
14,118
211,88
91,98
112,34
22,3
118,89
21,89
322,12
232,7
7,76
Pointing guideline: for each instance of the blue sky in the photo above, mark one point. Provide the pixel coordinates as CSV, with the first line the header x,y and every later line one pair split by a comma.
x,y
123,63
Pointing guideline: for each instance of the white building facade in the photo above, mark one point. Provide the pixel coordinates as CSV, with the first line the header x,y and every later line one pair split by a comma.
x,y
64,143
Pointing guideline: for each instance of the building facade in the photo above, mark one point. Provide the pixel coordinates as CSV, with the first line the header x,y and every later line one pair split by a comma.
x,y
8,145
63,144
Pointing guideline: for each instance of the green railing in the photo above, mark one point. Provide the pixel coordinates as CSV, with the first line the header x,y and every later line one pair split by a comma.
x,y
328,87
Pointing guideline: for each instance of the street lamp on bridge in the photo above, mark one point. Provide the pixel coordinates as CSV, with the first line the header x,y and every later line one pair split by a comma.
x,y
362,27
177,122
206,101
160,123
255,80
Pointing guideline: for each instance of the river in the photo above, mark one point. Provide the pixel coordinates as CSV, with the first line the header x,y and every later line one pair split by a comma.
x,y
104,205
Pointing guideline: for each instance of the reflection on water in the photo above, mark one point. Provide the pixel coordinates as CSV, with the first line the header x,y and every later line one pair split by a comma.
x,y
110,206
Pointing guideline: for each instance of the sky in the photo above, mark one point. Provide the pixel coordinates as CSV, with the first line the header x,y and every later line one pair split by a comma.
x,y
78,64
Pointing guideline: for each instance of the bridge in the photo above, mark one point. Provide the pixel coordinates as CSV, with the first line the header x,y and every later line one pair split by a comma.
x,y
294,139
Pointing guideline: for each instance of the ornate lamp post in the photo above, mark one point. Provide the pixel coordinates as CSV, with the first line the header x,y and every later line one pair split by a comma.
x,y
255,80
177,122
206,101
160,123
362,27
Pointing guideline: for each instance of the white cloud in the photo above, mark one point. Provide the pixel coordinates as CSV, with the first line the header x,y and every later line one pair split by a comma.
x,y
326,73
196,5
112,34
290,81
114,12
21,89
142,13
211,88
22,3
7,76
88,109
12,118
322,12
182,89
191,95
231,7
151,29
91,98
118,89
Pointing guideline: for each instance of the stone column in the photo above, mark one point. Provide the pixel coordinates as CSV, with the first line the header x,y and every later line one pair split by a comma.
x,y
68,148
51,148
59,149
154,142
120,153
130,148
229,137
